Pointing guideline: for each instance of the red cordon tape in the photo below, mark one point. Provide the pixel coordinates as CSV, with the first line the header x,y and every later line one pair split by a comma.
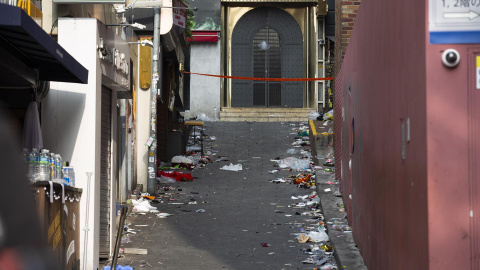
x,y
265,79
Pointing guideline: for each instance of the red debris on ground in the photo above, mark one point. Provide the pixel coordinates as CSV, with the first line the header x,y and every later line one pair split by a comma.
x,y
178,176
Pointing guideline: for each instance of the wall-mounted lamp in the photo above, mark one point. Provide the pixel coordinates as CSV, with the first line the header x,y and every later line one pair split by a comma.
x,y
120,9
101,48
180,68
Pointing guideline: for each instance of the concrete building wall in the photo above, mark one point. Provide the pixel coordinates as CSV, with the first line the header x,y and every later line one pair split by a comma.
x,y
142,117
384,175
71,117
71,124
204,91
345,15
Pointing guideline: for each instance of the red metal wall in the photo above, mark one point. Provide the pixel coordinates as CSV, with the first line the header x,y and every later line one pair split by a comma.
x,y
453,121
384,82
337,112
338,120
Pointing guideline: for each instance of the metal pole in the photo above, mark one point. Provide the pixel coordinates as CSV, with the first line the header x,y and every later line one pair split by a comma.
x,y
118,240
155,90
86,228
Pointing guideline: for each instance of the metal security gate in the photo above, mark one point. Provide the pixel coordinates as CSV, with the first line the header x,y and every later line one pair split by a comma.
x,y
105,171
267,43
267,64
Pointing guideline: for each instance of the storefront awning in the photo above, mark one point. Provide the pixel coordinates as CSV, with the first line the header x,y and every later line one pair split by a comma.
x,y
204,36
23,37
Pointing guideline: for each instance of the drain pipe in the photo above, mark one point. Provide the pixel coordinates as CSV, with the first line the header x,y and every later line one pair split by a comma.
x,y
85,228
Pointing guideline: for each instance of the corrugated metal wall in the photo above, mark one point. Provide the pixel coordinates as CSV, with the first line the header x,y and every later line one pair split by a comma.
x,y
383,85
338,120
105,172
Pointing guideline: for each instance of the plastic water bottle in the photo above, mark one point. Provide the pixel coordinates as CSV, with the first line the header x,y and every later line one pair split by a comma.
x,y
68,175
215,113
33,159
44,166
58,168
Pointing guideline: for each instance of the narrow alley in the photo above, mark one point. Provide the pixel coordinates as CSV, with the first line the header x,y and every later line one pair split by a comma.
x,y
232,219
240,134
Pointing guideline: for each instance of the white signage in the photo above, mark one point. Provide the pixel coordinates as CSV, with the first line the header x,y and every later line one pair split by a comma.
x,y
454,21
180,13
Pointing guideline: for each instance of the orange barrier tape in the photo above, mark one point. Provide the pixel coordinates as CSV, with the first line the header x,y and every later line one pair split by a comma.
x,y
265,79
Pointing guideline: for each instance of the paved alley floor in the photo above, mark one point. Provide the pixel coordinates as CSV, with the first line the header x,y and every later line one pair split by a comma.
x,y
242,209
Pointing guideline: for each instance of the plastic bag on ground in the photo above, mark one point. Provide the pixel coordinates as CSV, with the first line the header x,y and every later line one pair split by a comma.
x,y
181,159
166,180
320,236
291,151
194,148
313,115
231,167
328,115
142,206
203,117
294,163
327,266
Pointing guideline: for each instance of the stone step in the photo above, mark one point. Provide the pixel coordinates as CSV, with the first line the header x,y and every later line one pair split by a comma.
x,y
264,114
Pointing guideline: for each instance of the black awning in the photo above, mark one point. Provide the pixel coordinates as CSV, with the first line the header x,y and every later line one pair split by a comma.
x,y
37,49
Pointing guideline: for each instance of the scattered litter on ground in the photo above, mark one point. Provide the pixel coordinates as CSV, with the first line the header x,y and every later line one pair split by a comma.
x,y
293,163
291,151
328,115
181,159
203,117
313,115
142,206
135,251
278,180
175,175
231,167
125,239
166,180
163,215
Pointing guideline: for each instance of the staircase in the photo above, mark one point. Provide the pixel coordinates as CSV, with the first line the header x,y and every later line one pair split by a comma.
x,y
264,114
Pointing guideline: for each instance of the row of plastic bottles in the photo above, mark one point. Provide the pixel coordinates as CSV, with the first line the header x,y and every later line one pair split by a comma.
x,y
46,166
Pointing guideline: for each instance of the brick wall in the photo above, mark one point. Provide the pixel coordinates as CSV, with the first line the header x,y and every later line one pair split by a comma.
x,y
345,13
